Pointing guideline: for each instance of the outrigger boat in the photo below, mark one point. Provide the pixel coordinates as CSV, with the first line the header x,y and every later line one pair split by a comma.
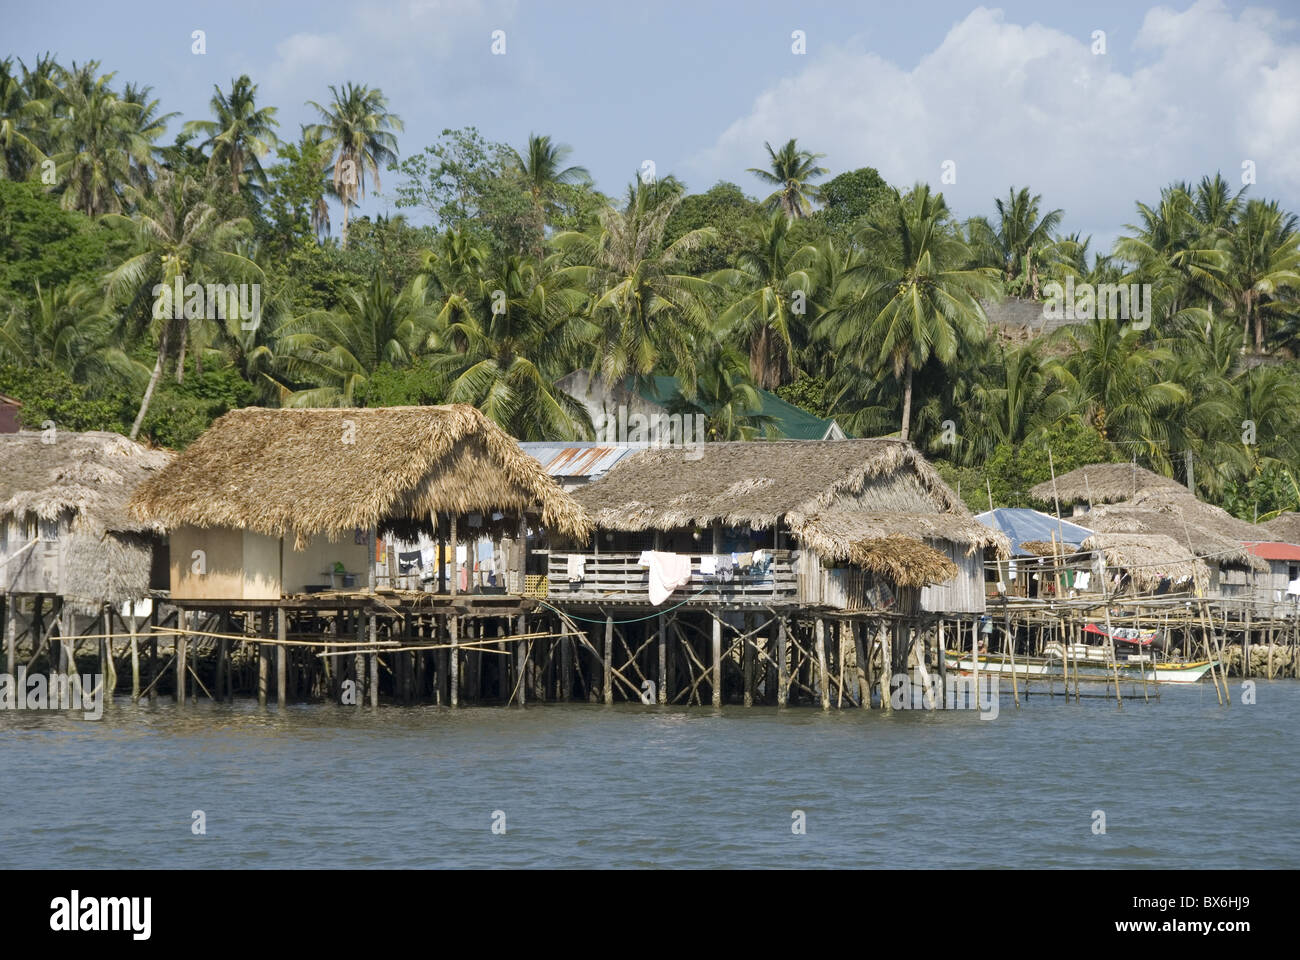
x,y
1090,668
1091,661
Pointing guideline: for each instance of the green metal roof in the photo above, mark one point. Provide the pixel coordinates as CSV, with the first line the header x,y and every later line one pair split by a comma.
x,y
793,422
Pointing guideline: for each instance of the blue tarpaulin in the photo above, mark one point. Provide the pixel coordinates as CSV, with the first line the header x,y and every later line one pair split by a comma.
x,y
1023,525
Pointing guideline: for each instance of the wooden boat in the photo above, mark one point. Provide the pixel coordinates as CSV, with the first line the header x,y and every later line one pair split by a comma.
x,y
1091,662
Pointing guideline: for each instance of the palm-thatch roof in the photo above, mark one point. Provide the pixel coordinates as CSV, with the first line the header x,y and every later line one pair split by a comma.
x,y
1212,533
833,532
905,561
1102,483
1284,528
91,476
308,472
87,478
1148,558
756,484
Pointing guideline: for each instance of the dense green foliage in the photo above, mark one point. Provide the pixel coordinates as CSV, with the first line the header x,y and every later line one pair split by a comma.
x,y
847,296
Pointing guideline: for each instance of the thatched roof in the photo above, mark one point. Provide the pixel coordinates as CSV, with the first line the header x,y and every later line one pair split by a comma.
x,y
1148,558
905,561
1284,528
1046,548
1102,483
756,484
307,472
92,475
1213,533
834,532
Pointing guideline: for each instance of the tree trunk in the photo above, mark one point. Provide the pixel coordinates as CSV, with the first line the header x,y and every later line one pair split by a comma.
x,y
180,356
153,382
907,399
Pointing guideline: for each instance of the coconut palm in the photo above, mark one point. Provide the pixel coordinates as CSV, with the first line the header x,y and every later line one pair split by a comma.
x,y
543,170
356,132
1172,251
1022,242
725,395
67,328
179,236
240,135
1009,397
1262,259
21,117
1117,383
98,138
333,352
642,313
501,343
791,171
916,300
774,288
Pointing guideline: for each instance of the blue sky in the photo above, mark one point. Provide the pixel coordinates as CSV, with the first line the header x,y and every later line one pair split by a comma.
x,y
1010,94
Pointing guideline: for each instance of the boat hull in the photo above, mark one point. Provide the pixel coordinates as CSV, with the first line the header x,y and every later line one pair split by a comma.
x,y
1088,670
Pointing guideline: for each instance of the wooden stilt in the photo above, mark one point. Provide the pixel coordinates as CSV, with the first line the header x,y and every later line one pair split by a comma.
x,y
281,671
521,662
663,659
374,663
860,662
11,634
566,668
747,658
823,681
153,653
264,661
453,655
782,665
609,659
886,668
182,650
717,660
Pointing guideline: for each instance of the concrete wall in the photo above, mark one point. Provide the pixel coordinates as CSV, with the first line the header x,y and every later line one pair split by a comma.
x,y
238,565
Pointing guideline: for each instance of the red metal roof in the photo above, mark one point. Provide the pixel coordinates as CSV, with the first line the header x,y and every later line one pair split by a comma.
x,y
1275,551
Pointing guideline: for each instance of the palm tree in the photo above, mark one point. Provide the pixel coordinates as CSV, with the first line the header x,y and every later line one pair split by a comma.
x,y
725,395
99,140
149,125
20,119
1172,251
773,282
790,170
543,170
1116,382
642,312
67,328
1007,396
1022,241
916,300
1262,259
334,352
356,133
180,236
502,342
241,134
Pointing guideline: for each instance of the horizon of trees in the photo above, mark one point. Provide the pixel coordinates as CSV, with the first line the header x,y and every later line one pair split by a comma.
x,y
844,294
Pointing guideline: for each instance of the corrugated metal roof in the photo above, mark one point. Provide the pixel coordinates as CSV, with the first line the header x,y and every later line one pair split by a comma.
x,y
1275,551
576,459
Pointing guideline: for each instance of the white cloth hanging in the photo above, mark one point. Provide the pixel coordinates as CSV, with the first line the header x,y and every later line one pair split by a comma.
x,y
668,571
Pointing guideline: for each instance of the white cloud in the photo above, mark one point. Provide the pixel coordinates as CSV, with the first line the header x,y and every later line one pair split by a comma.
x,y
1032,106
